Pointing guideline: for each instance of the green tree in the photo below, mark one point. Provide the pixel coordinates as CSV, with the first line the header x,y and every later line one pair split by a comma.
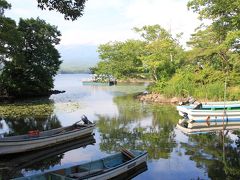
x,y
208,48
121,59
224,14
34,62
72,9
225,17
3,6
8,34
221,39
162,52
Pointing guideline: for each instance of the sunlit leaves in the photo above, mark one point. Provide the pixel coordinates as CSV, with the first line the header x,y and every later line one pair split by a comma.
x,y
72,9
121,59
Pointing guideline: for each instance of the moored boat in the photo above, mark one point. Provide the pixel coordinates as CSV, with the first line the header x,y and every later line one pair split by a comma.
x,y
100,80
209,122
13,164
199,130
213,114
93,83
184,110
106,168
37,140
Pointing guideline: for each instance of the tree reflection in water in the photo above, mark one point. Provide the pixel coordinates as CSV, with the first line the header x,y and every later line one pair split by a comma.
x,y
44,119
217,153
139,126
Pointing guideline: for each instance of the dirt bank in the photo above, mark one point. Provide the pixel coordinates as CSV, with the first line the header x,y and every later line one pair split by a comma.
x,y
158,98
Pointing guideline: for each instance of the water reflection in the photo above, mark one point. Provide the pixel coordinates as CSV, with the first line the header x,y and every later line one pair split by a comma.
x,y
12,165
133,172
137,127
19,118
216,152
124,121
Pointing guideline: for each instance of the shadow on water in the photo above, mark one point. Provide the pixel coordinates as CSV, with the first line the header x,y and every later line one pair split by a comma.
x,y
133,172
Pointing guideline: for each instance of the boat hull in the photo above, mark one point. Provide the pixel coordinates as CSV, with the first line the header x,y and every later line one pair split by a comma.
x,y
213,115
229,108
206,129
120,170
10,146
108,173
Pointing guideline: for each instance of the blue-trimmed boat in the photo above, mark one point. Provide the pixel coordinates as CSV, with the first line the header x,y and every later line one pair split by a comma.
x,y
106,168
205,129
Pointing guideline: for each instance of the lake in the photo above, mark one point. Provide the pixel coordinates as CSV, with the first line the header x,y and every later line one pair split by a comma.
x,y
121,121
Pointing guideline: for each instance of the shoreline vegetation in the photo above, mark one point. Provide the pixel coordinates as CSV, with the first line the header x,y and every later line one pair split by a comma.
x,y
12,99
208,69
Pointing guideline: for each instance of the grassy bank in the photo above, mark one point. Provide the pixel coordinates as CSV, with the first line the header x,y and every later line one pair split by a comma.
x,y
205,84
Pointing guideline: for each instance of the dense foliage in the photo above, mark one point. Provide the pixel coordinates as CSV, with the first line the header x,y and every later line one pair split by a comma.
x,y
72,9
157,55
202,71
121,59
28,57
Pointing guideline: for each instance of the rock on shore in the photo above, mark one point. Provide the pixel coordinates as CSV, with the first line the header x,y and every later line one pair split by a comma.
x,y
158,98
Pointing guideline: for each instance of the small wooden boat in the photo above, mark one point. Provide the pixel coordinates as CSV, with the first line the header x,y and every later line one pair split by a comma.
x,y
105,168
36,140
199,130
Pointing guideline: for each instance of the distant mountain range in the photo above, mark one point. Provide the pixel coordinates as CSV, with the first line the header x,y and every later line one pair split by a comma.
x,y
78,58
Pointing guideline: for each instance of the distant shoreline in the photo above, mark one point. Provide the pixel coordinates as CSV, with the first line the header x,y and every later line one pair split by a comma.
x,y
74,72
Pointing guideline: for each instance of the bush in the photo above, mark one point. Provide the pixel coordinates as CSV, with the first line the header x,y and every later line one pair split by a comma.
x,y
204,83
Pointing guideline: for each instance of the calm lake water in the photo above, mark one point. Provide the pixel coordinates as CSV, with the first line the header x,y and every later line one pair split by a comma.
x,y
122,121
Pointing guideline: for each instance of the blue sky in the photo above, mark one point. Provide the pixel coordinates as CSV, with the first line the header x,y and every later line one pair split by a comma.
x,y
110,20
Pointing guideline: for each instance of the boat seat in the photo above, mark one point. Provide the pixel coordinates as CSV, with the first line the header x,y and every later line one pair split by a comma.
x,y
127,153
85,173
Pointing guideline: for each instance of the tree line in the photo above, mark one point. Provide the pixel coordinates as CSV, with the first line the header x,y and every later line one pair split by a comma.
x,y
211,60
29,59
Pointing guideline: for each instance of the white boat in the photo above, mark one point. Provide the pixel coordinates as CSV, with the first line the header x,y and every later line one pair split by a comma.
x,y
13,164
205,115
209,123
37,140
199,130
183,110
106,168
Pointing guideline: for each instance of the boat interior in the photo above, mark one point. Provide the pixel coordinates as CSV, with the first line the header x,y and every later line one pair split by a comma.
x,y
36,134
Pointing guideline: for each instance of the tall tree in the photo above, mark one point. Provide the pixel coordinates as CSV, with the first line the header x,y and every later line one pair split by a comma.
x,y
121,59
7,32
163,52
224,32
35,61
224,14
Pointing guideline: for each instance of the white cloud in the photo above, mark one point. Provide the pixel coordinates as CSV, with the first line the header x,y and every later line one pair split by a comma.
x,y
111,20
172,15
78,37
